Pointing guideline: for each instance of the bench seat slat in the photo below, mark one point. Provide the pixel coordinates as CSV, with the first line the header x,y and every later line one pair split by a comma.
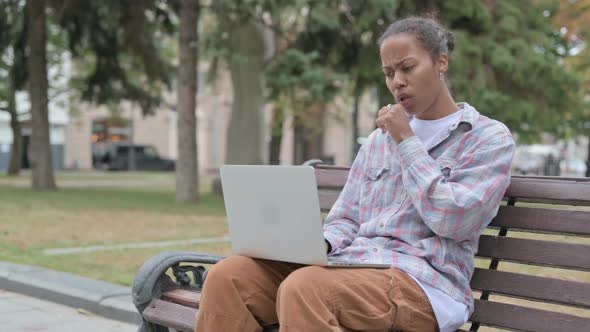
x,y
188,297
532,287
169,314
506,283
520,318
543,220
536,252
158,312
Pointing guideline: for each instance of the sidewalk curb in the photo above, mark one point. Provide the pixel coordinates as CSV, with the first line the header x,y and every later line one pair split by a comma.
x,y
99,297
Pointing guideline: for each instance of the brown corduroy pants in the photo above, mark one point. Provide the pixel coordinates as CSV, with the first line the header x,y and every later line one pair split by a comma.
x,y
243,294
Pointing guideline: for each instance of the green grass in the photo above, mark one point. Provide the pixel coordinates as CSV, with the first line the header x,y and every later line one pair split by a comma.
x,y
69,217
74,217
155,200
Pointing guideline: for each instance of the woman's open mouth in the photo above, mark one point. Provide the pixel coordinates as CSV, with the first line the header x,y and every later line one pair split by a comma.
x,y
406,101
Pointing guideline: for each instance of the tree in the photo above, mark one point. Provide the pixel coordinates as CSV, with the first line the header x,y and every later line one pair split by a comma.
x,y
507,55
572,20
187,181
253,37
507,64
118,49
41,159
123,63
299,86
246,130
13,67
237,34
507,60
345,34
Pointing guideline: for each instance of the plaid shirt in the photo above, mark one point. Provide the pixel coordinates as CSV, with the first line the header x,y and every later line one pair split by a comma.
x,y
423,211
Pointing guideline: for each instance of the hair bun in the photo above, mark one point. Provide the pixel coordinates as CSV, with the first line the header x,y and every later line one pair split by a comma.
x,y
450,41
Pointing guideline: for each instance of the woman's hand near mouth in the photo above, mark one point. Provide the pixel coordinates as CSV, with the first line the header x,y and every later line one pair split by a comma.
x,y
394,120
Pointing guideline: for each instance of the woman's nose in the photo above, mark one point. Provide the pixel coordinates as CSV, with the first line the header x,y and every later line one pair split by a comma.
x,y
399,81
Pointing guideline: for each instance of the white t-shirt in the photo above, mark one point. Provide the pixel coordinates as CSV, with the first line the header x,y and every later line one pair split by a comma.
x,y
450,313
431,132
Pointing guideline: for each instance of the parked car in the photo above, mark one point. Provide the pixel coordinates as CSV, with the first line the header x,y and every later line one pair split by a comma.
x,y
115,157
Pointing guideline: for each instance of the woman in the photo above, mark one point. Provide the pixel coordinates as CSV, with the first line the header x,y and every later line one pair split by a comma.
x,y
419,193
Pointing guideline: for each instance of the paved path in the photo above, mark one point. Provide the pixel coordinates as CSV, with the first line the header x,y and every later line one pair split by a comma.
x,y
22,313
99,297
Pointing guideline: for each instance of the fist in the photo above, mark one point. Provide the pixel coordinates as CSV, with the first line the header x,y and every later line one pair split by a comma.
x,y
394,120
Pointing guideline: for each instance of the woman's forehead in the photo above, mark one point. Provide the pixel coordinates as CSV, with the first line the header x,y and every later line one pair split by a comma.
x,y
396,48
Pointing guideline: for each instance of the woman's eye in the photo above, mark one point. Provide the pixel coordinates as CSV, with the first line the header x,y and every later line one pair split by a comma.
x,y
390,74
407,69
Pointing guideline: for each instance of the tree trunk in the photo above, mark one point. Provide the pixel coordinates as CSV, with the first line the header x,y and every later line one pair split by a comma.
x,y
315,132
187,180
16,151
588,159
41,159
355,120
298,141
276,136
246,130
309,128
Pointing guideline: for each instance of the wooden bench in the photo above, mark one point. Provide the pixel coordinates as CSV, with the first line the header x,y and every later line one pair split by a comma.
x,y
541,247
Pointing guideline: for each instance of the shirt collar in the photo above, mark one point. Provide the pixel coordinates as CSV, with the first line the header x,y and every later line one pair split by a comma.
x,y
469,116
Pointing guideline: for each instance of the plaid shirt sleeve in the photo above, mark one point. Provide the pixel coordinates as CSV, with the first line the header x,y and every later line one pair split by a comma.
x,y
461,204
342,223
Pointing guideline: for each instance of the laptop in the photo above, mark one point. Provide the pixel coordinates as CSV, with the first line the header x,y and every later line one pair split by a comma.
x,y
274,213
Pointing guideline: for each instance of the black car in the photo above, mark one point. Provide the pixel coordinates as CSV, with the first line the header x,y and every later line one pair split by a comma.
x,y
116,157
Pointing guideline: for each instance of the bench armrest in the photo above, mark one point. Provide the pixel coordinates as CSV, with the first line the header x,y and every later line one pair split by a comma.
x,y
313,162
151,276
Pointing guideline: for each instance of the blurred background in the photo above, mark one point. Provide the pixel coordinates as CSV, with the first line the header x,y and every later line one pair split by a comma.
x,y
276,82
131,107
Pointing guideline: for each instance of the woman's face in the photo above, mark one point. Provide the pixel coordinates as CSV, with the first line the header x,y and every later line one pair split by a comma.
x,y
411,75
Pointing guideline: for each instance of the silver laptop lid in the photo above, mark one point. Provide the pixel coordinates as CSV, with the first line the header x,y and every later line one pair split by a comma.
x,y
274,213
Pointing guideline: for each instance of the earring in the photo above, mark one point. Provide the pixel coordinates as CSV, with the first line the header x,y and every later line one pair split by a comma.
x,y
440,75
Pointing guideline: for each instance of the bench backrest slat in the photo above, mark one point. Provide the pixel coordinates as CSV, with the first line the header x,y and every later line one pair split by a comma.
x,y
544,220
526,319
574,191
550,191
532,287
331,178
536,252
